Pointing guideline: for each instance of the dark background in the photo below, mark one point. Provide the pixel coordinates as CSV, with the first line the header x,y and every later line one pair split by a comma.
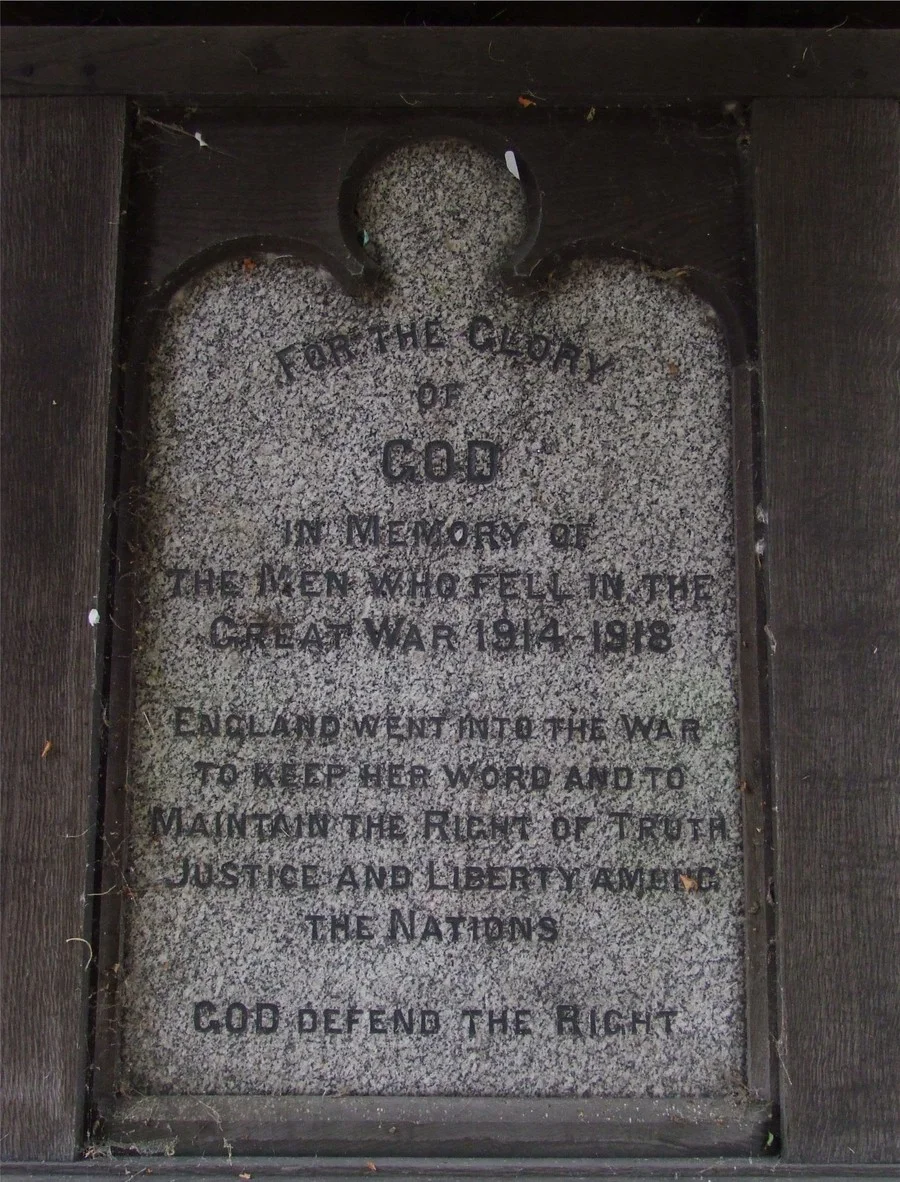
x,y
812,15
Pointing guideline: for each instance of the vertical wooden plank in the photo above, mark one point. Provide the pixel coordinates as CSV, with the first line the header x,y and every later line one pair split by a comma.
x,y
828,213
62,169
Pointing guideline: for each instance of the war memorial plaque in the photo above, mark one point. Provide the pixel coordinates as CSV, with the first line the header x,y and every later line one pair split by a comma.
x,y
433,772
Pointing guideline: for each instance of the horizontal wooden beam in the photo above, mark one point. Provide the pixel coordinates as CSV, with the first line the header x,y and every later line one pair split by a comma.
x,y
433,1169
453,67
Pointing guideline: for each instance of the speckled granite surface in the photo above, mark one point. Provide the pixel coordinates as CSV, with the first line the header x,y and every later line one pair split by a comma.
x,y
434,761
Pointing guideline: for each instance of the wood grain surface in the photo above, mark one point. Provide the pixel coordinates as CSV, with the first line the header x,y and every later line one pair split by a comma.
x,y
62,170
828,214
404,67
443,1169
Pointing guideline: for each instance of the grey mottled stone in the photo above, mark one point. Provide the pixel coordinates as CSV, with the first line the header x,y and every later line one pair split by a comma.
x,y
639,453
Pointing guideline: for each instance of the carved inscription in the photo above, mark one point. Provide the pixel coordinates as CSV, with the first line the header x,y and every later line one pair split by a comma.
x,y
434,748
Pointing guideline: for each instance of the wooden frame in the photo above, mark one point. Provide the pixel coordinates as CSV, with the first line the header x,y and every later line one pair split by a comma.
x,y
836,1105
190,208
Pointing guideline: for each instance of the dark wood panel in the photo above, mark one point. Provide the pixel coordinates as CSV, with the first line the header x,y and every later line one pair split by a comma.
x,y
828,211
400,67
62,168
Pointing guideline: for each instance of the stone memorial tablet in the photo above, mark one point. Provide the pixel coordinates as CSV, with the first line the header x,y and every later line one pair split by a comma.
x,y
433,766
